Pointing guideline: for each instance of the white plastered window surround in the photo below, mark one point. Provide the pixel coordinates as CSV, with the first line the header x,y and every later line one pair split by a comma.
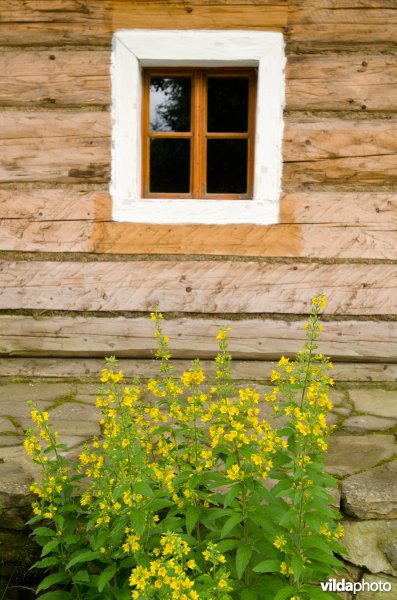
x,y
135,49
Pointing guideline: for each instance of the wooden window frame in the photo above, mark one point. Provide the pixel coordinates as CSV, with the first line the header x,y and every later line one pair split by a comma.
x,y
198,133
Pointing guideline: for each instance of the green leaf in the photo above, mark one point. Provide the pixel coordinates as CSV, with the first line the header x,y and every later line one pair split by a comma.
x,y
49,561
225,545
249,595
243,555
81,576
232,493
142,487
105,577
268,566
58,595
51,580
138,518
231,523
50,546
44,532
82,556
285,593
192,516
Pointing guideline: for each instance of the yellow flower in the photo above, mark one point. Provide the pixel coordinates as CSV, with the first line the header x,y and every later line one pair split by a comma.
x,y
279,542
191,564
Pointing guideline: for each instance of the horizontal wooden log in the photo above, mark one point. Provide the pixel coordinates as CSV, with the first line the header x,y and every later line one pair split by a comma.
x,y
56,205
255,339
366,24
282,240
198,286
336,151
54,77
93,21
75,146
55,146
83,368
337,82
339,208
58,77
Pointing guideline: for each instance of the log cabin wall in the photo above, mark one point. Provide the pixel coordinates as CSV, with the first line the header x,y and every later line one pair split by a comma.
x,y
76,284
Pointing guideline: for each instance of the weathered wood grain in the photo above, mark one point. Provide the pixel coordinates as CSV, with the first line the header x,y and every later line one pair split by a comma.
x,y
93,21
54,77
73,146
348,152
177,15
261,339
339,208
57,77
54,146
341,25
255,371
338,82
56,205
198,286
282,240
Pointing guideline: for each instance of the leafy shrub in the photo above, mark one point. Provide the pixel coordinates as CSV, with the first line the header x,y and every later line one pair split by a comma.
x,y
191,493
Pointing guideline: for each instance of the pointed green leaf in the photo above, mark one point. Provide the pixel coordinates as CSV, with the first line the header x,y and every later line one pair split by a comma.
x,y
51,580
82,556
50,546
105,577
243,555
231,523
192,516
285,593
268,566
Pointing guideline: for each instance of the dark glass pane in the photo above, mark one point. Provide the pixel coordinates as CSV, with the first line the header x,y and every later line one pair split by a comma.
x,y
227,166
170,103
169,166
228,104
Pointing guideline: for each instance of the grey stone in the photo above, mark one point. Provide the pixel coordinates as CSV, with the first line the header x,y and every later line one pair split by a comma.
x,y
20,410
362,542
6,426
73,411
381,403
373,494
342,411
338,398
369,423
379,595
14,486
22,392
348,454
10,440
332,419
69,427
389,547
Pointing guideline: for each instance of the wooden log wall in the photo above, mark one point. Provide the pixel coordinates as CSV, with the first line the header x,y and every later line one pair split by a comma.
x,y
74,283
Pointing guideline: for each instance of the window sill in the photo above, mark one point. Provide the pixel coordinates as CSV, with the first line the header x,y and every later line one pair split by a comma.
x,y
206,212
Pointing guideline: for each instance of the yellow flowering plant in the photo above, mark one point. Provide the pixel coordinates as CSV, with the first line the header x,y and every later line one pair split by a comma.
x,y
173,500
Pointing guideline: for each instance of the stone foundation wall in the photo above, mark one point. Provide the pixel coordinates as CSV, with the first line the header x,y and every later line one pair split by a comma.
x,y
362,455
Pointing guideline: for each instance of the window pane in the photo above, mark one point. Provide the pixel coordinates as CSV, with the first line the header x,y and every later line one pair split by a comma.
x,y
169,166
170,103
227,166
228,104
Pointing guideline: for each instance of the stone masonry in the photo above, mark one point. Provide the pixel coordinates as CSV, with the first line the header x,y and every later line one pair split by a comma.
x,y
362,455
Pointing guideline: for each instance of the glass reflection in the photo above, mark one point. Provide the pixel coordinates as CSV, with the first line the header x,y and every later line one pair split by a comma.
x,y
170,103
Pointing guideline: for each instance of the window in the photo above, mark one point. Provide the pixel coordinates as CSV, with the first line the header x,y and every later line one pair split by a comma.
x,y
200,66
198,133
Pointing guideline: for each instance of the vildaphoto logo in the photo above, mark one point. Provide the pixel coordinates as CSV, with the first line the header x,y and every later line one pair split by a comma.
x,y
333,585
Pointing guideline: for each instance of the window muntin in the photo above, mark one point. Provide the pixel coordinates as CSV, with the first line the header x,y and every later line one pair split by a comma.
x,y
198,133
